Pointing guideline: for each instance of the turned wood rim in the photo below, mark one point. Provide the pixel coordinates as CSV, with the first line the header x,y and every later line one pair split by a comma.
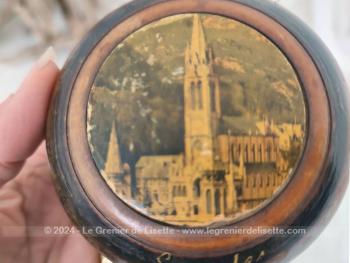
x,y
285,207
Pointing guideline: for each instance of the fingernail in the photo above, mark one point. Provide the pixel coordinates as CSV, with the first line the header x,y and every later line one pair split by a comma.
x,y
48,56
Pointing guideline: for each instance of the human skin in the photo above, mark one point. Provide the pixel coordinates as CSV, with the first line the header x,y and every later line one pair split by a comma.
x,y
28,200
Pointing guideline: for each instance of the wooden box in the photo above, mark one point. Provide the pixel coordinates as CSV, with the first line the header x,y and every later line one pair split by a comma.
x,y
200,131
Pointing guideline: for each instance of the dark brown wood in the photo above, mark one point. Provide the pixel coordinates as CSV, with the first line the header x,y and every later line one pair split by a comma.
x,y
319,175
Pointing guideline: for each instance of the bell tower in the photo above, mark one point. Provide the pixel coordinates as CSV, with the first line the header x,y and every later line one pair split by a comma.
x,y
202,99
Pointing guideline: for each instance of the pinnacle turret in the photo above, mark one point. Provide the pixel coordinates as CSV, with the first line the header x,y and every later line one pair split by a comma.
x,y
113,162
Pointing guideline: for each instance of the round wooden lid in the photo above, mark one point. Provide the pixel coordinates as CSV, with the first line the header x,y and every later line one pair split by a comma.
x,y
199,131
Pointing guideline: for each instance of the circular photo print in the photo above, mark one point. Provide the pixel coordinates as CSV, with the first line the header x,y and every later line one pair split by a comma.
x,y
196,119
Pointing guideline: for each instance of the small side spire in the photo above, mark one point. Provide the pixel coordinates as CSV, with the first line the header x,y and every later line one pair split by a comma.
x,y
113,163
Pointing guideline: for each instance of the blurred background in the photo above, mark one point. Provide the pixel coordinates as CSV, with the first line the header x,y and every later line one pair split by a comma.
x,y
28,27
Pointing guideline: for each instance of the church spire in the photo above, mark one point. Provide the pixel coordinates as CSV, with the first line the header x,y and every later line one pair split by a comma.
x,y
198,43
113,161
198,55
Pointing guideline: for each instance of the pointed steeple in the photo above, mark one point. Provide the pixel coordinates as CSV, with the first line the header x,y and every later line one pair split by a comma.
x,y
198,55
198,43
113,161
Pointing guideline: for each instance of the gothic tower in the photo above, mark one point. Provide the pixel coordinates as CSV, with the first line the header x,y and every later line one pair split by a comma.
x,y
113,165
201,99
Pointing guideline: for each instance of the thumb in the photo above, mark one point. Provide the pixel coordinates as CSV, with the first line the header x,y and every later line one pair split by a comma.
x,y
23,117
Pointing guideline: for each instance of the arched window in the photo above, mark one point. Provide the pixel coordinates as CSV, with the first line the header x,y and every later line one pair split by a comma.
x,y
246,154
213,96
225,198
184,191
174,191
268,152
254,152
179,191
260,153
209,202
207,56
233,152
276,152
200,96
197,188
193,95
195,210
217,202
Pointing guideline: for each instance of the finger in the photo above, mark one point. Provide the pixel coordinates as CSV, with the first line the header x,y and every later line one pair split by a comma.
x,y
75,248
23,117
3,104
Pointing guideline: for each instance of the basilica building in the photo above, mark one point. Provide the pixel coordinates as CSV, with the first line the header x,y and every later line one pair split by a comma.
x,y
217,175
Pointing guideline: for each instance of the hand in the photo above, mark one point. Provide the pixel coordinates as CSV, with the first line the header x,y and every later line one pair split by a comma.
x,y
28,201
